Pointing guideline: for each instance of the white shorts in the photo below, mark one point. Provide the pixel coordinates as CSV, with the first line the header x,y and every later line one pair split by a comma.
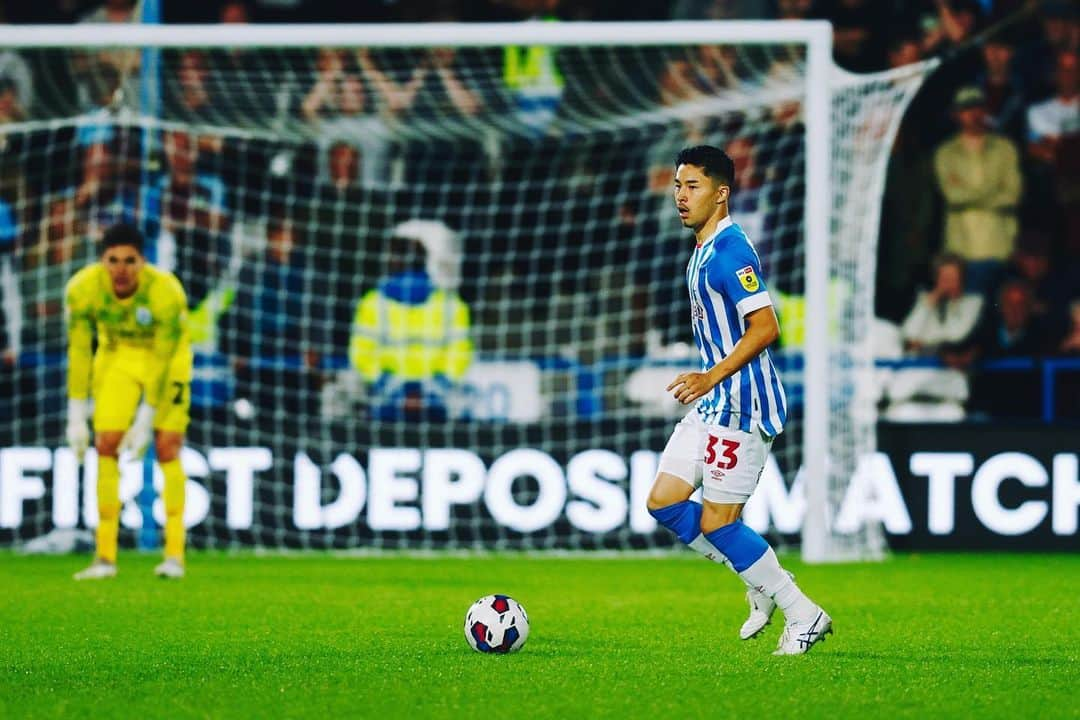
x,y
726,464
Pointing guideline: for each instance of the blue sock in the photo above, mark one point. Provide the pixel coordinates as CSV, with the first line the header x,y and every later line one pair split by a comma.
x,y
740,543
682,518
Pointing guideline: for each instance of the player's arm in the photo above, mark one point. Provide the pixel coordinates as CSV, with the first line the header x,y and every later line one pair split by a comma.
x,y
762,329
79,318
80,329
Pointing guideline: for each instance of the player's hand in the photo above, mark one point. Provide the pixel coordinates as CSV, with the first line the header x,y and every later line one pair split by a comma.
x,y
78,427
137,438
688,387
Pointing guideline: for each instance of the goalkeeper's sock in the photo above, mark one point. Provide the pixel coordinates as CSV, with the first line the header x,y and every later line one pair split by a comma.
x,y
108,498
684,519
174,509
757,565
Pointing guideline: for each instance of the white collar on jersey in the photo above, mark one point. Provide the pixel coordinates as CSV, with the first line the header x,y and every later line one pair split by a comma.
x,y
721,227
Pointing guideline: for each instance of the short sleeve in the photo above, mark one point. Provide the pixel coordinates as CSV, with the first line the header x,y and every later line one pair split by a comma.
x,y
735,271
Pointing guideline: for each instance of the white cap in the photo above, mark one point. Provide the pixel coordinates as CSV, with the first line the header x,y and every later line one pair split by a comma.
x,y
443,247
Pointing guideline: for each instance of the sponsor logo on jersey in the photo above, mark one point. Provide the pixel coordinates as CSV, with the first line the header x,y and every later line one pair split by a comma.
x,y
143,316
748,279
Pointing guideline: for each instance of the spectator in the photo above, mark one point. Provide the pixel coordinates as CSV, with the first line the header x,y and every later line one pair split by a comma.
x,y
1003,88
274,328
860,28
939,325
747,203
722,67
1068,385
15,75
1051,286
1010,330
944,316
354,101
187,211
112,11
125,63
234,12
1053,120
1054,147
59,250
978,173
188,97
946,31
794,9
11,109
1070,344
1059,32
248,86
410,340
102,198
949,28
443,91
532,76
343,166
903,49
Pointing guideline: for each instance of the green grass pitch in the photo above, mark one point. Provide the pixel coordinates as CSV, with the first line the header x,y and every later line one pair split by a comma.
x,y
319,636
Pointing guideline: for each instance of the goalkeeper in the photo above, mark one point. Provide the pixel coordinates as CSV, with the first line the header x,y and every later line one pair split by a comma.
x,y
139,313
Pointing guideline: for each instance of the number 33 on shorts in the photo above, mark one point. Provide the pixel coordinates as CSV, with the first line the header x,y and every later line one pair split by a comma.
x,y
732,463
727,459
719,457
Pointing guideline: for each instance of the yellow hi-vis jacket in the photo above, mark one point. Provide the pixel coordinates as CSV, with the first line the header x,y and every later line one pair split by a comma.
x,y
412,331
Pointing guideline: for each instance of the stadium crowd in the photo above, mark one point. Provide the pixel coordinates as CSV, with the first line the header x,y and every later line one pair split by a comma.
x,y
979,249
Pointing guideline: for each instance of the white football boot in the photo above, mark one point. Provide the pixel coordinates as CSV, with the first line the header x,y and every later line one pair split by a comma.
x,y
799,637
98,570
171,569
762,608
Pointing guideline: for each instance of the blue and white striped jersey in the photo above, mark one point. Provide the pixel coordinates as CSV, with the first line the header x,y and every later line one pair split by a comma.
x,y
725,281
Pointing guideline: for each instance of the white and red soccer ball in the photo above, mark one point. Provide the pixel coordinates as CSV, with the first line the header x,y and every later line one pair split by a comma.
x,y
496,624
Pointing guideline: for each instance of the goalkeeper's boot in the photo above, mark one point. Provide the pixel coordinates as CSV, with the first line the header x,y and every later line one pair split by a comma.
x,y
171,569
98,570
762,608
799,637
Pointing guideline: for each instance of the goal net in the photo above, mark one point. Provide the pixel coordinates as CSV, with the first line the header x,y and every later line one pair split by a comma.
x,y
435,276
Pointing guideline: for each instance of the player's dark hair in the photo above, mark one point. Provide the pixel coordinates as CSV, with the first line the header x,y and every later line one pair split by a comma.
x,y
713,161
122,234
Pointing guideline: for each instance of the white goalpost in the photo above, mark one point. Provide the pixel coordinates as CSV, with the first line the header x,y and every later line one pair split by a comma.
x,y
291,174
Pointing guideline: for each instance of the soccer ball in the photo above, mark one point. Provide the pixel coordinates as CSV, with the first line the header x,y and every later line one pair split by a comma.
x,y
496,624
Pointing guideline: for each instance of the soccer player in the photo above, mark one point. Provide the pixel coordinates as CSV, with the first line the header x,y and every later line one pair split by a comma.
x,y
140,315
740,406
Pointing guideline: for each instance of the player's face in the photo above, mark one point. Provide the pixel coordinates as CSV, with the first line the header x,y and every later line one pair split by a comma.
x,y
123,263
696,195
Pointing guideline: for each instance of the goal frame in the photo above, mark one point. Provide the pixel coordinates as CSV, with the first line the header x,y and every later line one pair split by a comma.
x,y
815,35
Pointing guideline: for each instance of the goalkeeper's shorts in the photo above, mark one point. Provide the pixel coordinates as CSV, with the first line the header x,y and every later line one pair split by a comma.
x,y
118,385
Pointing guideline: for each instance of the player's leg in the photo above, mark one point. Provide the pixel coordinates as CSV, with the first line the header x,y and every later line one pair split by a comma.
x,y
167,446
678,476
730,476
116,396
170,424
